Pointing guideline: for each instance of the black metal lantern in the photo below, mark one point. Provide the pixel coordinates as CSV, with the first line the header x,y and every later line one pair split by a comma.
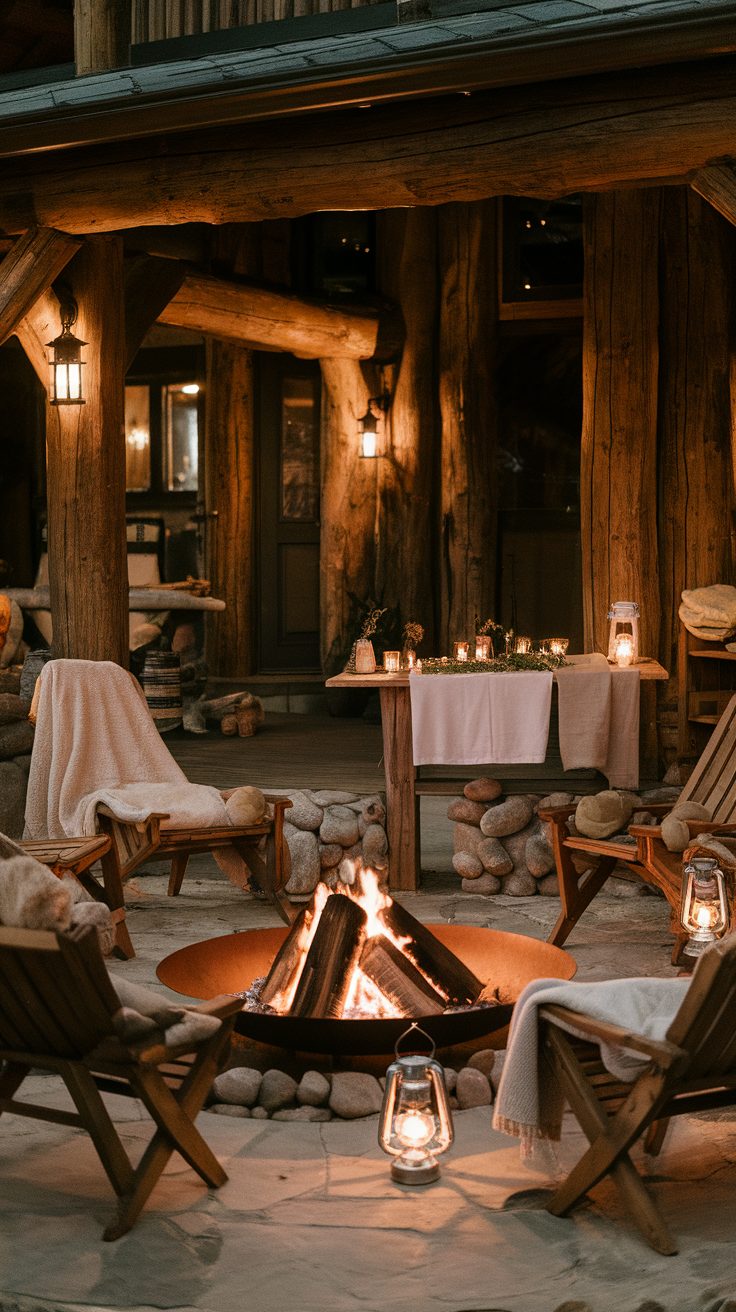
x,y
371,427
65,361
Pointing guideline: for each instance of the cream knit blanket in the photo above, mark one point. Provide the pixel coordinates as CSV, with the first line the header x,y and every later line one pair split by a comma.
x,y
529,1103
96,745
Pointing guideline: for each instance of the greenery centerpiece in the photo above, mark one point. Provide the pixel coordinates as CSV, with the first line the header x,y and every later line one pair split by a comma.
x,y
512,663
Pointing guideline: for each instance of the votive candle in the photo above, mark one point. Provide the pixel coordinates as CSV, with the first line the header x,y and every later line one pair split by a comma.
x,y
392,662
624,649
460,651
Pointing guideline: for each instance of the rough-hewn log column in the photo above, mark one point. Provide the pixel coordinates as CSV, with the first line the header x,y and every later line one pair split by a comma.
x,y
468,330
229,502
696,340
348,507
272,320
86,473
29,269
101,35
618,475
405,541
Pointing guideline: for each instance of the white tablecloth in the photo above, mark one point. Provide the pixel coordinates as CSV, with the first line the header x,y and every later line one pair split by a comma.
x,y
474,719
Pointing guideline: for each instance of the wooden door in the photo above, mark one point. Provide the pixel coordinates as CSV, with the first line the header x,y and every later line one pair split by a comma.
x,y
288,521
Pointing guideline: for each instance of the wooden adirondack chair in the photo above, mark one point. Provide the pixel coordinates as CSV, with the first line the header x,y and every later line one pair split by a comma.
x,y
56,1007
692,1070
75,856
712,783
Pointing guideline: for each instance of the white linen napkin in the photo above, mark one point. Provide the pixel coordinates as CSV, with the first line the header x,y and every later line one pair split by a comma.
x,y
478,719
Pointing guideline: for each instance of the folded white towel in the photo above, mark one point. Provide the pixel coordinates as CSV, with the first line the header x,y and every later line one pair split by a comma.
x,y
479,719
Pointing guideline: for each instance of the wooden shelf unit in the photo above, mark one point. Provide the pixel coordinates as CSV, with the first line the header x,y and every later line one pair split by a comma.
x,y
706,677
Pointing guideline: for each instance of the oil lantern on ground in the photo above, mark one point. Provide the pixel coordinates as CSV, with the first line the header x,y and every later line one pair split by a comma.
x,y
704,911
415,1122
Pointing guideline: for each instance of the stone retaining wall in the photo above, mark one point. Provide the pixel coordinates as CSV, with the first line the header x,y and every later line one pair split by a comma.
x,y
327,831
16,744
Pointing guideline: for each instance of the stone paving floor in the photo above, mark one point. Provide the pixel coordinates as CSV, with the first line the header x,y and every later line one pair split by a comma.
x,y
310,1221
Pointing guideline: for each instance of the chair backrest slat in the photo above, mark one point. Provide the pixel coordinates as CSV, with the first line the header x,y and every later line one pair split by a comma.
x,y
713,780
705,1023
52,1002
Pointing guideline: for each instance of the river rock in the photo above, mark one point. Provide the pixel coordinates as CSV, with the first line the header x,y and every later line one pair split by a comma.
x,y
644,818
10,680
229,1109
483,790
303,813
355,1094
259,1113
313,1089
515,844
495,858
325,797
467,866
371,811
240,1086
351,862
470,813
473,1089
507,817
12,799
12,707
519,884
486,884
277,1090
375,847
450,1078
302,1114
661,794
305,863
339,825
330,854
466,838
483,1061
538,856
549,886
15,739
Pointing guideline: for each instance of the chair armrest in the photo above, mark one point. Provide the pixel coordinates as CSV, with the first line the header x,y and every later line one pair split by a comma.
x,y
557,815
645,831
665,1054
224,1005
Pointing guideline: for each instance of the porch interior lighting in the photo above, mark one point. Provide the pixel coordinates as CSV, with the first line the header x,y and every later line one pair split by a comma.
x,y
415,1122
704,912
65,361
371,427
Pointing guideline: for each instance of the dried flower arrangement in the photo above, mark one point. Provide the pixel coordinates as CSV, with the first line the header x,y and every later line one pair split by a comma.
x,y
413,634
371,621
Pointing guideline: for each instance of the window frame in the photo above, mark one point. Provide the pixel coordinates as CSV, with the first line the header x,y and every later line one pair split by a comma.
x,y
158,368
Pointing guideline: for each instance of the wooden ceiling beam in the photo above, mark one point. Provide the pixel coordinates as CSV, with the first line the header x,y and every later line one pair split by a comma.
x,y
149,285
39,326
278,321
717,185
28,269
583,134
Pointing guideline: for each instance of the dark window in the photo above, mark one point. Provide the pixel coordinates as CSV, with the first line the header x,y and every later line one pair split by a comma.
x,y
335,254
542,249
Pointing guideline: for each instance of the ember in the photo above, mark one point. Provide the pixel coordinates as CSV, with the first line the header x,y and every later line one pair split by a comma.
x,y
353,952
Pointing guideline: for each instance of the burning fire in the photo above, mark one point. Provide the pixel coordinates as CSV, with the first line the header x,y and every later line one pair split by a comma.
x,y
400,972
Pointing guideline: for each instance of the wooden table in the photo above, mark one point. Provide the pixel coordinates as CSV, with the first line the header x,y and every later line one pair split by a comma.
x,y
402,796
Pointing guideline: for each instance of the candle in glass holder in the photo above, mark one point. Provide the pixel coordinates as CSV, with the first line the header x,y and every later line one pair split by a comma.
x,y
410,659
392,662
624,650
482,647
558,646
522,646
460,651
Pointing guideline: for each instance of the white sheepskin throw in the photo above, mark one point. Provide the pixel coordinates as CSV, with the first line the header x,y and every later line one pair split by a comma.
x,y
246,806
31,897
710,612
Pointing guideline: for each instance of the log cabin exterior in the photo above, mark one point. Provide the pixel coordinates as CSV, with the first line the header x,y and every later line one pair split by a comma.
x,y
172,179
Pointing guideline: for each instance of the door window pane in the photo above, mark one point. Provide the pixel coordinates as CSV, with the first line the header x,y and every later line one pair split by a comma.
x,y
180,437
137,438
299,450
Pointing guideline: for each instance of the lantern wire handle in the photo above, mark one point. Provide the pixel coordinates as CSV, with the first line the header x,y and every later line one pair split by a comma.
x,y
415,1026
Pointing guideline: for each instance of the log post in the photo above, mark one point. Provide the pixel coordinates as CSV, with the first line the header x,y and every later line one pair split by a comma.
x,y
468,408
695,472
86,472
405,542
229,444
618,475
28,270
102,32
348,507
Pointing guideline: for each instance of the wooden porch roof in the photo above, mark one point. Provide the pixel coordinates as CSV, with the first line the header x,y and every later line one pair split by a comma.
x,y
234,77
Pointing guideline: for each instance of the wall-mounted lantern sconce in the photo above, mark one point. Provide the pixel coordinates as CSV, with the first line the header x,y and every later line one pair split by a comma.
x,y
65,361
372,427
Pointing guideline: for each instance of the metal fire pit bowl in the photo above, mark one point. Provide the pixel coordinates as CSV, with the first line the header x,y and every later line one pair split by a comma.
x,y
231,963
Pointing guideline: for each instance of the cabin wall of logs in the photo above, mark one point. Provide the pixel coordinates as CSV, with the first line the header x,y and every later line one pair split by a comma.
x,y
417,529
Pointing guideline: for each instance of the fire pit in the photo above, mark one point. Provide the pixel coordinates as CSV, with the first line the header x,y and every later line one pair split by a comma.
x,y
232,963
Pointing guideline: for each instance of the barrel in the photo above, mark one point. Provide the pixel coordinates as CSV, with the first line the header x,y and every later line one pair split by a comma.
x,y
161,683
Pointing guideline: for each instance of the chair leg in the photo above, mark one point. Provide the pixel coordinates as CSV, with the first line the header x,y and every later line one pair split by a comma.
x,y
178,868
12,1075
654,1137
98,1125
574,896
115,899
